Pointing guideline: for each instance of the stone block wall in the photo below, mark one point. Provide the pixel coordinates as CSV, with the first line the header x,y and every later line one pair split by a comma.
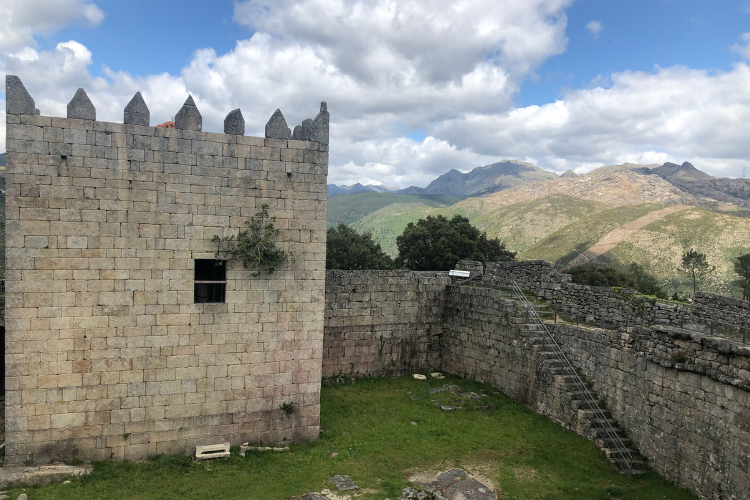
x,y
107,352
724,310
611,306
683,398
382,322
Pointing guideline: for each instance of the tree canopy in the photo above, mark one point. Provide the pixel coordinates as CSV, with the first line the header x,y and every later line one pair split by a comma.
x,y
742,267
347,249
437,243
632,276
696,265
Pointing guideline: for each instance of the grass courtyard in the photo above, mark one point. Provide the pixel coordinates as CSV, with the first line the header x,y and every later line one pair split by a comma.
x,y
380,432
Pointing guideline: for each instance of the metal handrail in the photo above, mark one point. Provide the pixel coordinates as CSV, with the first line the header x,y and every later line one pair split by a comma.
x,y
609,430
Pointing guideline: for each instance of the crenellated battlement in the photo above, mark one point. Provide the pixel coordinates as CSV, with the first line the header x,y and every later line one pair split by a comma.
x,y
188,118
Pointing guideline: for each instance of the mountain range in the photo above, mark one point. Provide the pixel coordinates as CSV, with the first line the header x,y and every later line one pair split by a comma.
x,y
648,214
483,180
480,181
334,190
698,183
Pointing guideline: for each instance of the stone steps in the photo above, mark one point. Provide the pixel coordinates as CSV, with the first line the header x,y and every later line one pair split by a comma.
x,y
598,423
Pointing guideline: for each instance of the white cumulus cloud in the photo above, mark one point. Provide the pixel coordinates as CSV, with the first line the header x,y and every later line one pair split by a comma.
x,y
743,49
391,68
594,27
673,114
22,20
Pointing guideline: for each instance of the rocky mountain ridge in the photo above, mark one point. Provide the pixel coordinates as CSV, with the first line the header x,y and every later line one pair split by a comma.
x,y
702,185
491,178
334,190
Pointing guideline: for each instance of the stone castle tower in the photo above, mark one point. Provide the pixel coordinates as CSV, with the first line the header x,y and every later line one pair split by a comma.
x,y
123,339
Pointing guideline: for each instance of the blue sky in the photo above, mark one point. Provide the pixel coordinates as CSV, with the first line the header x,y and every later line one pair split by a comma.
x,y
637,36
415,87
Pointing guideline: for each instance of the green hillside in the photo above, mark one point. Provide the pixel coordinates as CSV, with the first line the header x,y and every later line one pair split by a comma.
x,y
389,222
349,208
566,243
659,246
522,224
518,225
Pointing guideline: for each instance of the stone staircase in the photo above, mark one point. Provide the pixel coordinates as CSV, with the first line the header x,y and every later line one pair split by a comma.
x,y
593,420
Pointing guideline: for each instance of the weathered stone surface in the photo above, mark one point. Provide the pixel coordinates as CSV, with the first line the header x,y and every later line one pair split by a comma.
x,y
188,117
314,496
319,128
81,106
653,380
364,338
343,482
305,132
450,476
276,128
469,489
116,227
17,99
136,112
411,493
234,123
40,476
297,133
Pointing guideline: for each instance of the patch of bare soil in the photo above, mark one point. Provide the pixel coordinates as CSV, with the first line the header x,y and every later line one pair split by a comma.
x,y
525,474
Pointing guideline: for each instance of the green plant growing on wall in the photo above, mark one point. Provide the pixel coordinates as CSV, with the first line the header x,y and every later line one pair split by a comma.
x,y
288,408
255,246
678,356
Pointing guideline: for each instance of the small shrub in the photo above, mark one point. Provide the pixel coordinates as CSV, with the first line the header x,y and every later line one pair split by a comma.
x,y
288,408
254,246
678,356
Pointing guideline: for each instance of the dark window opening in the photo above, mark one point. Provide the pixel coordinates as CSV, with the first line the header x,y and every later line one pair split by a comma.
x,y
210,280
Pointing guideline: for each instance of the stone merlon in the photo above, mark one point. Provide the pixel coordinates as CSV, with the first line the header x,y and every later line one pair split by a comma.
x,y
136,112
81,106
17,99
188,117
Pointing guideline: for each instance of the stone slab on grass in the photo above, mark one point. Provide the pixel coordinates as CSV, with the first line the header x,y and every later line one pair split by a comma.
x,y
42,475
343,482
469,489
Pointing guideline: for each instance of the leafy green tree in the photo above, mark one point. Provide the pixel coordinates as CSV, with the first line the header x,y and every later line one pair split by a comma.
x,y
347,249
436,244
696,265
742,267
602,276
632,276
646,283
